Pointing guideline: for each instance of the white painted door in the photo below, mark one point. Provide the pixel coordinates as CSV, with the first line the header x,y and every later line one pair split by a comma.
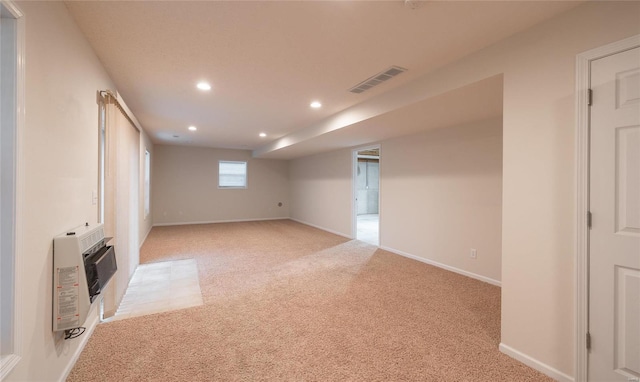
x,y
614,254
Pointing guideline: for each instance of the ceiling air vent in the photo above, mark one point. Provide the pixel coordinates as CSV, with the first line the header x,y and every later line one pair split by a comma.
x,y
377,79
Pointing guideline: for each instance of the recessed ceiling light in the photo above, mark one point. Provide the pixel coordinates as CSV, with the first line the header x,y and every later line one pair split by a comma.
x,y
315,105
192,128
263,135
203,86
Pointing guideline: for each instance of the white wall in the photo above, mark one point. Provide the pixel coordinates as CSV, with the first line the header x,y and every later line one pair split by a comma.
x,y
185,187
538,227
60,171
442,195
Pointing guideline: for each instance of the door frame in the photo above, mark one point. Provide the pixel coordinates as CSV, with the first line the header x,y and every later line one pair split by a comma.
x,y
354,190
16,352
583,84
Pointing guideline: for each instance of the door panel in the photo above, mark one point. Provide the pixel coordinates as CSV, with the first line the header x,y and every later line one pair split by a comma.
x,y
614,240
628,180
627,353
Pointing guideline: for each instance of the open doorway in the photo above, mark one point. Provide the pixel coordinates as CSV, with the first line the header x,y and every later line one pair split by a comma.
x,y
367,194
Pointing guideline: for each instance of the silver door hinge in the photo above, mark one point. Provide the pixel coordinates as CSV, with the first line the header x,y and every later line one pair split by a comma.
x,y
589,219
589,97
588,340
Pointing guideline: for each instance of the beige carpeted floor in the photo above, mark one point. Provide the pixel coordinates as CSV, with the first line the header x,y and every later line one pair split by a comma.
x,y
287,302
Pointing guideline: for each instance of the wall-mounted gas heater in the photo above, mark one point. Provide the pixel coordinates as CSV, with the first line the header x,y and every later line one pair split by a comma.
x,y
83,264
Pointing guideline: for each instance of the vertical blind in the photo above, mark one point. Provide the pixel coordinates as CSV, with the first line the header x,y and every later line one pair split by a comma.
x,y
121,199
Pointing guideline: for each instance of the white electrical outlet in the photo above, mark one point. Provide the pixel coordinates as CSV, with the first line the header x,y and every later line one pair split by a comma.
x,y
474,253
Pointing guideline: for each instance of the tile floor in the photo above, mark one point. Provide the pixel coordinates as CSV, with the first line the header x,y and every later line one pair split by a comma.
x,y
161,287
368,228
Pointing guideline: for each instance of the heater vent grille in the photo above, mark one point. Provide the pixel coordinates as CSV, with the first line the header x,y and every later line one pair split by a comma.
x,y
377,79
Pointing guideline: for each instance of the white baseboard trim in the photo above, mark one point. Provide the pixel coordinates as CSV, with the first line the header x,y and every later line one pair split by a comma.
x,y
535,364
84,338
145,237
444,266
218,221
414,257
322,228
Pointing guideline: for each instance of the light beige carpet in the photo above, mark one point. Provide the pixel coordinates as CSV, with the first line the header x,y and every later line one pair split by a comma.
x,y
287,302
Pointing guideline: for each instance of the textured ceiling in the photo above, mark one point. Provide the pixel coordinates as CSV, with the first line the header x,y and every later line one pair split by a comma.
x,y
268,60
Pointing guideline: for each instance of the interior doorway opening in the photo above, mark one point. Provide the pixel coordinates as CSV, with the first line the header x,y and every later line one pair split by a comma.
x,y
367,194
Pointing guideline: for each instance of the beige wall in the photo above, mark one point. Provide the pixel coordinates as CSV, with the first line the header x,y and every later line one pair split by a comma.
x,y
59,174
59,170
185,187
146,223
321,191
538,170
442,195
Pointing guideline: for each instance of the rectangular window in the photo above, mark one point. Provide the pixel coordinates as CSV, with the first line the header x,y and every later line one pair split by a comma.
x,y
147,183
232,174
